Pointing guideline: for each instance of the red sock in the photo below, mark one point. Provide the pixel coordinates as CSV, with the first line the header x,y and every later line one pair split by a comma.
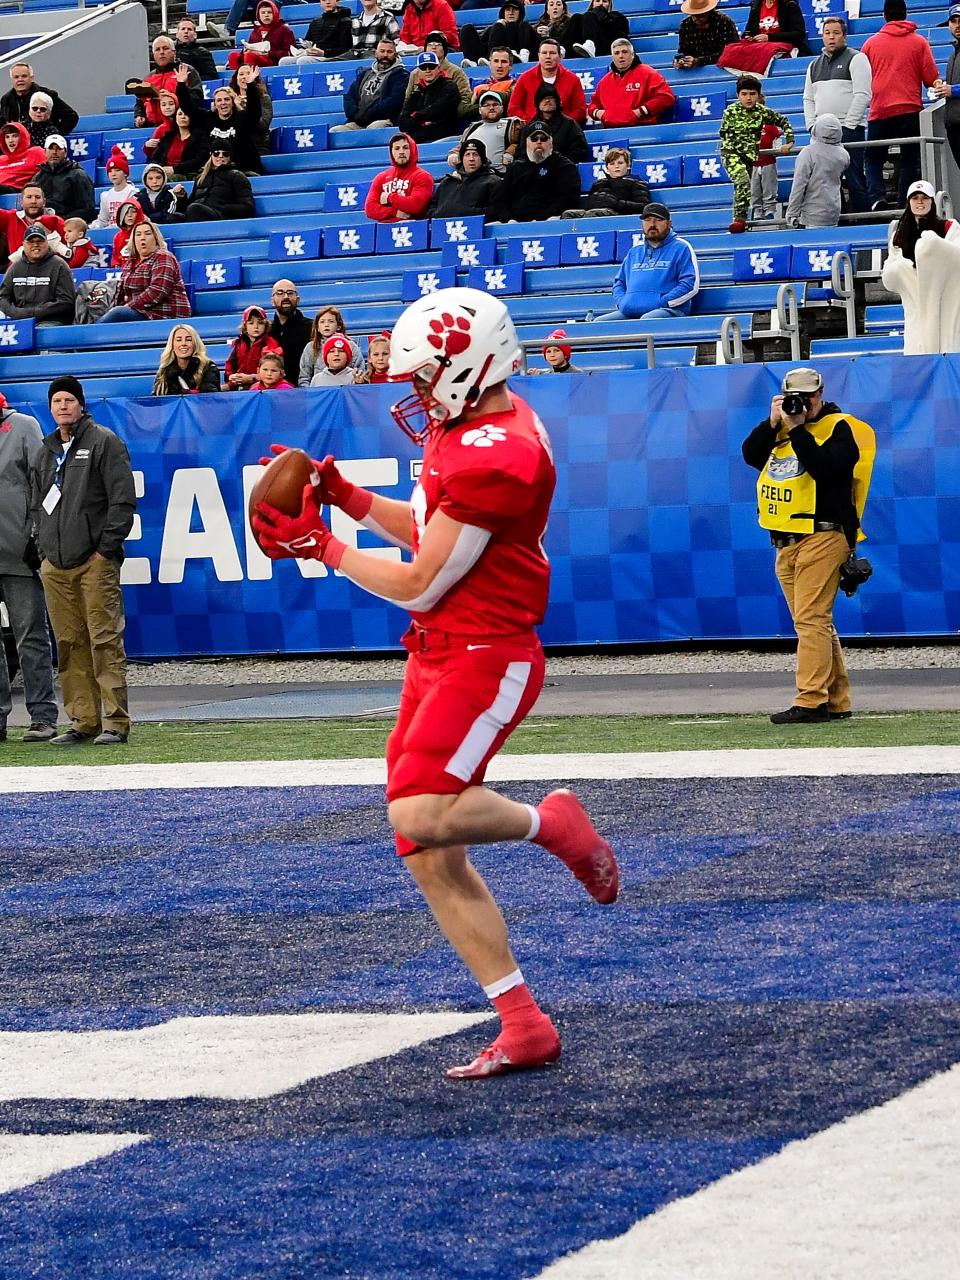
x,y
518,1010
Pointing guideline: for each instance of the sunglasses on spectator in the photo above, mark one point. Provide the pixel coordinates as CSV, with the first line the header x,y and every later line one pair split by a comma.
x,y
219,153
40,107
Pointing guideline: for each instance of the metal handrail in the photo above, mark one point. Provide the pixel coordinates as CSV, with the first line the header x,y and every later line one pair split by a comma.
x,y
613,340
731,340
842,283
788,317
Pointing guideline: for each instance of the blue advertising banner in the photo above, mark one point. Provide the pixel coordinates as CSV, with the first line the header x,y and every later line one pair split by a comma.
x,y
653,536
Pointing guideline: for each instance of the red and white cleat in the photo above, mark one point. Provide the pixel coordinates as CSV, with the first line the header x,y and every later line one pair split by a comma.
x,y
512,1054
567,832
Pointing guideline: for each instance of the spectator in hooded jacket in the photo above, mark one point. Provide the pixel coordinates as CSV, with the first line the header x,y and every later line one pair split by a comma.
x,y
328,37
549,70
151,286
840,82
155,198
270,40
185,368
568,137
188,50
402,191
244,358
948,88
471,189
539,187
128,216
902,64
39,285
616,191
369,27
815,193
431,111
703,35
511,31
67,188
19,160
15,103
630,93
660,277
220,191
375,98
600,25
420,17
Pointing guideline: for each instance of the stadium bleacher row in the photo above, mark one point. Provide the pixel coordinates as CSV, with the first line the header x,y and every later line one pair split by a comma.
x,y
310,226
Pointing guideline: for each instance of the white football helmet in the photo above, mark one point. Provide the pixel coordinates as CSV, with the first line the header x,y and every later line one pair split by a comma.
x,y
455,343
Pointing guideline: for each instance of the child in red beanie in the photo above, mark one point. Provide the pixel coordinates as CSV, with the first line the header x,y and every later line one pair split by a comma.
x,y
557,353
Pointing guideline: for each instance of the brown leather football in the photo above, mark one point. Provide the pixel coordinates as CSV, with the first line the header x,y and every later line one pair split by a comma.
x,y
280,483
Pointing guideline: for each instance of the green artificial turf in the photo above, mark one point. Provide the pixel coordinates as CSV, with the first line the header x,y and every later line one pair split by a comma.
x,y
350,739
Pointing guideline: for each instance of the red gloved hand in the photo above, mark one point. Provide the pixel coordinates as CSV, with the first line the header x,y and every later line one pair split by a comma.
x,y
333,490
302,537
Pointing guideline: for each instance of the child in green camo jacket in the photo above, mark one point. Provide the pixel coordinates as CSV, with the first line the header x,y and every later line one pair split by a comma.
x,y
740,130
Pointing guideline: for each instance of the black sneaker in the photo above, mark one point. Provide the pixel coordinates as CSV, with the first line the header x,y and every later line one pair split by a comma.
x,y
71,738
801,715
840,715
3,735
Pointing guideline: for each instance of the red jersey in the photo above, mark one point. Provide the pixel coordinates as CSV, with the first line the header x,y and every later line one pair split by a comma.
x,y
495,473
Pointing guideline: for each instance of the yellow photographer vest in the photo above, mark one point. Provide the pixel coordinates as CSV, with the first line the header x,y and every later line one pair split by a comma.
x,y
787,494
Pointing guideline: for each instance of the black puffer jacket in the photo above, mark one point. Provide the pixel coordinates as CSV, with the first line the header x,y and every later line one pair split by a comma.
x,y
619,195
462,195
225,190
67,190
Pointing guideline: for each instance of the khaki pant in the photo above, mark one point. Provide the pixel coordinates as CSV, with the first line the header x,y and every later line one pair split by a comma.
x,y
86,611
809,575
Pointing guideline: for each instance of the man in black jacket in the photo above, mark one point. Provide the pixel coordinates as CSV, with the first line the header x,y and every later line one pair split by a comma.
x,y
15,103
290,327
541,186
83,503
431,111
193,54
66,187
471,189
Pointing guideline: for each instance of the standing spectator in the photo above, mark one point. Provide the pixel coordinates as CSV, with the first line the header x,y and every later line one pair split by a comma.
x,y
290,326
151,286
540,186
548,70
242,82
568,137
66,187
420,17
500,82
40,125
402,191
83,504
147,92
498,134
471,189
19,160
15,103
369,27
234,124
660,277
270,40
33,209
20,443
120,189
270,374
431,110
185,368
740,129
253,342
840,83
902,63
328,37
775,29
630,93
557,352
949,87
186,49
511,32
375,98
220,191
923,267
764,180
601,25
378,358
38,285
703,35
815,193
616,191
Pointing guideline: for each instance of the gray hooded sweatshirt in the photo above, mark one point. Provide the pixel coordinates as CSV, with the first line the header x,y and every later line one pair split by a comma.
x,y
815,194
20,443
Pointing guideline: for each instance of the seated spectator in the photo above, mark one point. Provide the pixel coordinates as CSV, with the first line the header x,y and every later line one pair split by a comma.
x,y
431,110
328,37
568,137
128,216
253,342
155,198
601,25
78,248
242,82
471,189
40,125
270,376
437,43
270,40
402,191
775,28
220,191
169,105
146,111
549,70
327,323
290,326
420,17
335,368
741,125
378,358
181,151
39,285
19,161
68,190
371,25
660,276
616,191
15,103
185,368
511,32
815,193
540,186
500,82
120,189
499,134
558,23
33,209
703,35
186,49
151,286
375,98
229,122
630,93
923,267
557,352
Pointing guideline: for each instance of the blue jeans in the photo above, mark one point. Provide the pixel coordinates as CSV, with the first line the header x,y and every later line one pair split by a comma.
x,y
856,181
658,313
28,619
121,313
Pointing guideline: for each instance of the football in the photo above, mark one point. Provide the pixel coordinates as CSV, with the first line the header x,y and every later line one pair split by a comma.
x,y
280,483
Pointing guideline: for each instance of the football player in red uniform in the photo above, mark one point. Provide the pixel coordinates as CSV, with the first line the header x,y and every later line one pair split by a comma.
x,y
476,588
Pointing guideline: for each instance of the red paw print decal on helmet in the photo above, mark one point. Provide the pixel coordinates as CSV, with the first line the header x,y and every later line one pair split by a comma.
x,y
450,335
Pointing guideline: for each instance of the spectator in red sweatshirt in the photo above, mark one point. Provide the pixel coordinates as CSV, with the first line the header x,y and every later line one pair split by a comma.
x,y
270,40
420,17
402,191
630,93
19,159
902,63
549,70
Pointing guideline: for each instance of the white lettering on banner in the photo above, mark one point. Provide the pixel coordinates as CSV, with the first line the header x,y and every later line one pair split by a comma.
x,y
135,570
197,486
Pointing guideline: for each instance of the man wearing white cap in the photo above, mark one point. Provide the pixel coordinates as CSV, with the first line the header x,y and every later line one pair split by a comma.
x,y
67,188
949,86
704,34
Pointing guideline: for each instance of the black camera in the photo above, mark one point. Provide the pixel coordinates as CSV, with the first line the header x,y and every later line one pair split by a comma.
x,y
795,403
854,572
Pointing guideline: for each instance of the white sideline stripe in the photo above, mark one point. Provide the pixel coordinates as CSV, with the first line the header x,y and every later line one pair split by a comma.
x,y
210,1057
872,1198
28,1157
478,740
790,763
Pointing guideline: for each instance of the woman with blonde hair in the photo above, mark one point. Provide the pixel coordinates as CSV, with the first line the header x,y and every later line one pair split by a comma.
x,y
327,322
185,368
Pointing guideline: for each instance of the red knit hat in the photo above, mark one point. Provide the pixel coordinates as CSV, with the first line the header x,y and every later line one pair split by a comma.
x,y
336,342
117,160
554,341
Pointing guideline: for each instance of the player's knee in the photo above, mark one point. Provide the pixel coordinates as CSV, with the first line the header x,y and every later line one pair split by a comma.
x,y
422,819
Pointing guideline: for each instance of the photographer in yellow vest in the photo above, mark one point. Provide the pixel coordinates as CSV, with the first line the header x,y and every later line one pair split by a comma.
x,y
815,464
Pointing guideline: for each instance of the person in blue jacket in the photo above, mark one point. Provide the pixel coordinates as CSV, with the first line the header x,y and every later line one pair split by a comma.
x,y
659,277
375,98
